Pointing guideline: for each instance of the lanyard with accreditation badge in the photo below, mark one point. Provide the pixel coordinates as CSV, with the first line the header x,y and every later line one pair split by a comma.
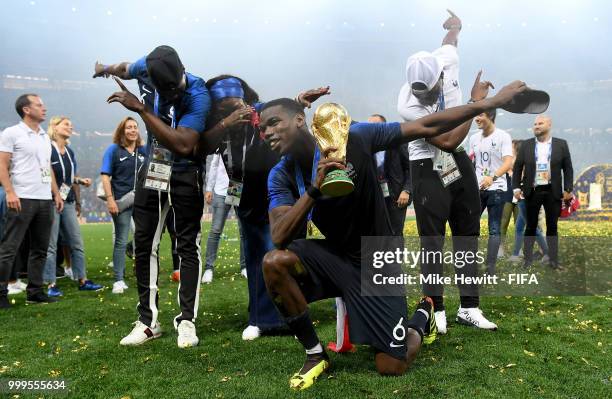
x,y
64,189
161,159
444,162
299,178
542,169
234,187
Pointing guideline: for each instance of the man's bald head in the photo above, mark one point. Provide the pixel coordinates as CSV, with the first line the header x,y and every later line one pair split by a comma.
x,y
542,125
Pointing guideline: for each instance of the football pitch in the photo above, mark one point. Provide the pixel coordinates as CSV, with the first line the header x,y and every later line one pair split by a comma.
x,y
545,347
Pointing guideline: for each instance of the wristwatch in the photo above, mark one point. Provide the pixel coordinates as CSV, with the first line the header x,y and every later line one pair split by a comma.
x,y
495,177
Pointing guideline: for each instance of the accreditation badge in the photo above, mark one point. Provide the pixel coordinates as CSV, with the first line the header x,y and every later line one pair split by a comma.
x,y
159,169
448,171
64,190
384,187
45,175
234,193
542,175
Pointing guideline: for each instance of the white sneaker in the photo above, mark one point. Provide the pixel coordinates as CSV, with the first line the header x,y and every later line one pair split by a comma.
x,y
118,287
125,287
187,334
474,317
545,259
140,334
514,259
21,285
441,321
250,333
500,252
14,289
68,272
208,276
243,273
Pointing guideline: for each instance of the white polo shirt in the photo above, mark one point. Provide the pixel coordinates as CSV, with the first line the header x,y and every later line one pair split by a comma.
x,y
31,155
489,153
411,109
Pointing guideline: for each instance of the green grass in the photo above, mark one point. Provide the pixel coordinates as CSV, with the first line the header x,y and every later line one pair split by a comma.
x,y
546,346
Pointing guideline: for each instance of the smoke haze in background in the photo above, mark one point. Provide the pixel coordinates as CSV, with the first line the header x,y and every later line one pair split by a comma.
x,y
359,48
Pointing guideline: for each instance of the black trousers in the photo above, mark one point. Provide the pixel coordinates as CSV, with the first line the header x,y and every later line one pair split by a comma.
x,y
172,232
37,217
542,196
459,205
397,216
150,210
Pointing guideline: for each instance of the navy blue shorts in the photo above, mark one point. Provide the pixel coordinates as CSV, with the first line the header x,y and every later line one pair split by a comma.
x,y
379,321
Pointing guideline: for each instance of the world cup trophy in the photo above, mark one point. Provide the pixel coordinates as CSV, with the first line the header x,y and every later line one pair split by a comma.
x,y
330,126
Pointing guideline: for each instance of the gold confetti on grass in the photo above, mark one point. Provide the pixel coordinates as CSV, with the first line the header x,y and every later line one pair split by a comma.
x,y
55,373
525,351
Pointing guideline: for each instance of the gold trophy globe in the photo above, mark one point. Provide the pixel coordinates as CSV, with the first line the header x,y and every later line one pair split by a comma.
x,y
330,126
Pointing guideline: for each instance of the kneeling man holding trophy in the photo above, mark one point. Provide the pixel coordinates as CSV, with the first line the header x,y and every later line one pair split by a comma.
x,y
345,205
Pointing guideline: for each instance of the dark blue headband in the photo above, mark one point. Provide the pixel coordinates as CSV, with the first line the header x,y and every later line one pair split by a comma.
x,y
224,88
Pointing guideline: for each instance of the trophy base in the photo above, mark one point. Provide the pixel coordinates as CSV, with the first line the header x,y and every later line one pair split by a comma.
x,y
336,184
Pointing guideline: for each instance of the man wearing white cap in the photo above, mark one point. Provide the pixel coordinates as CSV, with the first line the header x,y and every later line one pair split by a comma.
x,y
444,184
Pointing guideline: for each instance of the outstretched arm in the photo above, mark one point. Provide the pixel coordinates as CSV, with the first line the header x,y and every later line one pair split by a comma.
x,y
441,122
181,140
120,70
450,140
211,139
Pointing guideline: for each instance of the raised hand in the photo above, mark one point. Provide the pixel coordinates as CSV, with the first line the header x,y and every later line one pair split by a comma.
x,y
100,70
452,22
308,97
480,90
507,93
238,117
125,98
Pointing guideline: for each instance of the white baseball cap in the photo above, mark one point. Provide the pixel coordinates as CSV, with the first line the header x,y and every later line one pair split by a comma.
x,y
423,67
